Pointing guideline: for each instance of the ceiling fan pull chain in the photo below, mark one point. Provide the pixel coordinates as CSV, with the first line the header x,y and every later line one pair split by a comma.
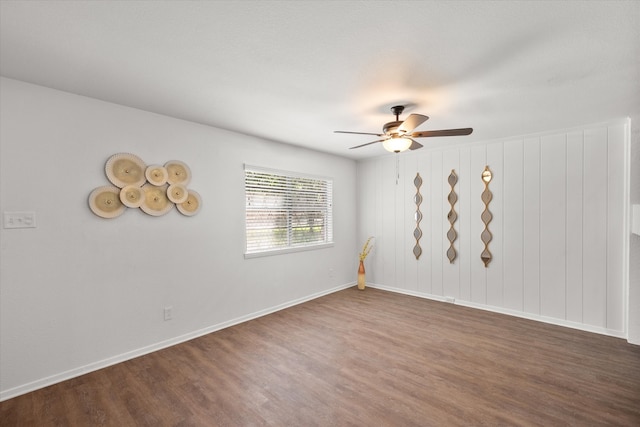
x,y
397,168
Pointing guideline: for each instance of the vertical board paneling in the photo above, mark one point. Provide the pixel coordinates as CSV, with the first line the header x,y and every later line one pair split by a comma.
x,y
365,200
451,271
365,203
464,223
615,227
478,270
495,278
513,226
379,264
552,225
388,243
558,224
531,221
574,226
595,227
401,238
437,219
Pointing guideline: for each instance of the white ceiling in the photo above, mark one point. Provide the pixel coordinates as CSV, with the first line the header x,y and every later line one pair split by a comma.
x,y
296,71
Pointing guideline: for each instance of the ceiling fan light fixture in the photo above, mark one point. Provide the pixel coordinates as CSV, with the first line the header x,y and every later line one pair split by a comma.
x,y
398,135
396,144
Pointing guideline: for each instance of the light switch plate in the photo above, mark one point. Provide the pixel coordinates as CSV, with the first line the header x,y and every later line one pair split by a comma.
x,y
19,220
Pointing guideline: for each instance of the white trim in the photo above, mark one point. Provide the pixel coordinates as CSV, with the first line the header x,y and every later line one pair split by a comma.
x,y
626,226
91,367
528,316
248,255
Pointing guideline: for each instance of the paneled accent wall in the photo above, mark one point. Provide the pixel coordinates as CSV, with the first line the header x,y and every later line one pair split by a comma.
x,y
558,225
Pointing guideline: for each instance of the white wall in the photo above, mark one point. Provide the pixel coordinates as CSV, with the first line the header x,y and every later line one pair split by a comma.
x,y
559,243
80,292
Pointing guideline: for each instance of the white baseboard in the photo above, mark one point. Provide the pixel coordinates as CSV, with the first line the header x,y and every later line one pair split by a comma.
x,y
529,316
76,372
63,376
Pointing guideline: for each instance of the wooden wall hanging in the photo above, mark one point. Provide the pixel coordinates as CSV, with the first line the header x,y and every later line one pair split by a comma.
x,y
486,216
417,233
452,216
154,189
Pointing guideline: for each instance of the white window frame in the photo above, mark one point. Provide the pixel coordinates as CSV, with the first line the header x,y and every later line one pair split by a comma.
x,y
289,248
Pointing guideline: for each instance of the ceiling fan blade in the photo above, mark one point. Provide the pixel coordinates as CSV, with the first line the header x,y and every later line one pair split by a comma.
x,y
358,133
444,132
412,122
368,143
415,145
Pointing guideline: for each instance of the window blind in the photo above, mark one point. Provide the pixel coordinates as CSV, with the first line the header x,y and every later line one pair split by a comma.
x,y
285,210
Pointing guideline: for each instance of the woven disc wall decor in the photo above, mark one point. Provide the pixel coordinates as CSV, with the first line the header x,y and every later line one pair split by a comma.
x,y
156,202
179,173
105,202
156,175
177,193
154,189
192,205
124,169
132,196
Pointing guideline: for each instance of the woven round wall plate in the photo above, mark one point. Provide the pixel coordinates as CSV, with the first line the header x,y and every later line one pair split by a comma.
x,y
177,193
155,202
105,202
179,172
124,169
192,205
156,175
132,196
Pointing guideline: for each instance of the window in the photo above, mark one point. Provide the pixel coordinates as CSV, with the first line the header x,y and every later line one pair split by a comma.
x,y
286,211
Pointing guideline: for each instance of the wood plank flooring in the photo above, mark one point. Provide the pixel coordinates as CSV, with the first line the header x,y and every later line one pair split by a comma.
x,y
356,358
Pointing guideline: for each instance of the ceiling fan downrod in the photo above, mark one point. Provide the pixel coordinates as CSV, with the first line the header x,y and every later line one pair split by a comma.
x,y
397,110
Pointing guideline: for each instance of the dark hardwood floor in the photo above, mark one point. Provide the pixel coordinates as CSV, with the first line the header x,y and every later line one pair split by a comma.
x,y
356,358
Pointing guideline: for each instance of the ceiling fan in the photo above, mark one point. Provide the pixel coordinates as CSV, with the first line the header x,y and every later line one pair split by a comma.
x,y
398,135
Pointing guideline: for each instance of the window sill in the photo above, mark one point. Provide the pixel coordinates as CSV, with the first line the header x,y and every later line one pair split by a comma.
x,y
287,250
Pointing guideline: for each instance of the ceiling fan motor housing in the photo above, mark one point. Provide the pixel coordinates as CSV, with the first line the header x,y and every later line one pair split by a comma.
x,y
391,127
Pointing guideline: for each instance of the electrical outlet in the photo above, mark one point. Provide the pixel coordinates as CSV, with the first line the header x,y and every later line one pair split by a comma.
x,y
331,273
168,313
